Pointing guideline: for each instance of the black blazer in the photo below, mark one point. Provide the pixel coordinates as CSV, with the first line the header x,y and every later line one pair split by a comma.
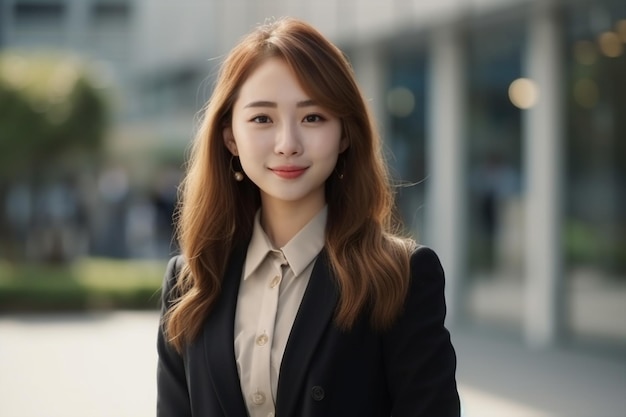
x,y
408,370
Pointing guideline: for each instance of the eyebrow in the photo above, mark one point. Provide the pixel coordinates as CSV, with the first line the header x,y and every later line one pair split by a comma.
x,y
263,103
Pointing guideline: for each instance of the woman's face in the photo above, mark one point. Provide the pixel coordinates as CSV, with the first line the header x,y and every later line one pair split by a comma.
x,y
288,145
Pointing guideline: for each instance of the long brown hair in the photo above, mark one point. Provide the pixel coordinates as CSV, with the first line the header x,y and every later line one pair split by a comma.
x,y
368,258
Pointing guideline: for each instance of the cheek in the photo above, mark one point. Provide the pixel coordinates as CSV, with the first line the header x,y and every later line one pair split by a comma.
x,y
252,152
327,148
246,141
247,155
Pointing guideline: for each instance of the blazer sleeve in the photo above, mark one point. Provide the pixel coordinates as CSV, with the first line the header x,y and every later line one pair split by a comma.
x,y
172,393
420,361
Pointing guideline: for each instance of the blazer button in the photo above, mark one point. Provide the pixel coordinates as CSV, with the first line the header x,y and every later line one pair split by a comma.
x,y
317,393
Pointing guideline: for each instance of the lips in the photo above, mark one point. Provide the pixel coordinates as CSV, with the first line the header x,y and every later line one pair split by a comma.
x,y
288,172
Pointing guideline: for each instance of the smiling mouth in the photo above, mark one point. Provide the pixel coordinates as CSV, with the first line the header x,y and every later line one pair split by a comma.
x,y
288,172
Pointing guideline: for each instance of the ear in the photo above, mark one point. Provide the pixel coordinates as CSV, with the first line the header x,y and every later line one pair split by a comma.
x,y
344,143
229,140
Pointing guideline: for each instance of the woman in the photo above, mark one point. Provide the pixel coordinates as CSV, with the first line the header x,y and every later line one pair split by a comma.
x,y
293,295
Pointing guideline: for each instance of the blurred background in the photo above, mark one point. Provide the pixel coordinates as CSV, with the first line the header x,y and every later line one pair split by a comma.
x,y
504,123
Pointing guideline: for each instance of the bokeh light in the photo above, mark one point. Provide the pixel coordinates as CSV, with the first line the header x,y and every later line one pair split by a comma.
x,y
610,44
621,29
523,93
400,101
586,93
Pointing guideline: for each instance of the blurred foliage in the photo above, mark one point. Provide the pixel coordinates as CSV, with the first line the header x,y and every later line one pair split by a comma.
x,y
49,107
53,119
88,283
586,245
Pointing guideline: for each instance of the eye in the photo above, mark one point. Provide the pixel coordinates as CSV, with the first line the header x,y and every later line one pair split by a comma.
x,y
261,119
313,118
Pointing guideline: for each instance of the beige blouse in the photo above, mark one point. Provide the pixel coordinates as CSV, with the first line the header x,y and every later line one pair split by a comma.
x,y
272,287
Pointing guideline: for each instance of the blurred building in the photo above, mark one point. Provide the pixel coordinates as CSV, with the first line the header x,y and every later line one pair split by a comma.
x,y
507,117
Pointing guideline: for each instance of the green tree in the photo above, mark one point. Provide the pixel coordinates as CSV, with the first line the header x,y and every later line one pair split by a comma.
x,y
53,118
49,106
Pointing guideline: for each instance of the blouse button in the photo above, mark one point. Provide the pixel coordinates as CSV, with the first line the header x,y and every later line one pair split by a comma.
x,y
275,281
262,340
258,398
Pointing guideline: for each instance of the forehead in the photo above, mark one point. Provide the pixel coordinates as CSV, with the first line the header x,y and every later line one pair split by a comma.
x,y
272,79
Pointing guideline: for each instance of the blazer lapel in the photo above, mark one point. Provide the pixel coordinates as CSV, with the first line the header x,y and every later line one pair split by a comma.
x,y
315,312
218,338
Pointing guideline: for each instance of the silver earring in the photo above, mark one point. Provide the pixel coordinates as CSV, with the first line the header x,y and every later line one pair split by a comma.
x,y
237,174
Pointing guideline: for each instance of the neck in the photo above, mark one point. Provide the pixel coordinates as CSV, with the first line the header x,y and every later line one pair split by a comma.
x,y
281,222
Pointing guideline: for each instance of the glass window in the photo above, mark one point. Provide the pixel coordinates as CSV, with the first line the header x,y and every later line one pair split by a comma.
x,y
595,178
110,30
39,23
405,105
495,228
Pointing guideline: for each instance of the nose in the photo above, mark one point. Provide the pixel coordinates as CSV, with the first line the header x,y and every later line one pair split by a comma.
x,y
288,140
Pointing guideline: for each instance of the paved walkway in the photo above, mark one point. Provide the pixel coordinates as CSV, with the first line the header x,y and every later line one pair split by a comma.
x,y
104,365
78,366
500,377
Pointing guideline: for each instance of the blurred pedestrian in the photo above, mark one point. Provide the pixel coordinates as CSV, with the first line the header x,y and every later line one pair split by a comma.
x,y
294,295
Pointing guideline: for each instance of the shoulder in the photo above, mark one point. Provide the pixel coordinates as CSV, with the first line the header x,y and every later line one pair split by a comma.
x,y
172,272
427,277
424,261
174,266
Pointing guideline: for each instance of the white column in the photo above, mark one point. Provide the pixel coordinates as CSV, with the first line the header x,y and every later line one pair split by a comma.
x,y
543,141
445,195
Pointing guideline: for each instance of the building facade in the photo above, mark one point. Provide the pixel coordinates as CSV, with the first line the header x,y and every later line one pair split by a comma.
x,y
504,119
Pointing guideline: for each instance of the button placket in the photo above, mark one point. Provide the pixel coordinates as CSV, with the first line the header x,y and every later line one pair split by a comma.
x,y
261,397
